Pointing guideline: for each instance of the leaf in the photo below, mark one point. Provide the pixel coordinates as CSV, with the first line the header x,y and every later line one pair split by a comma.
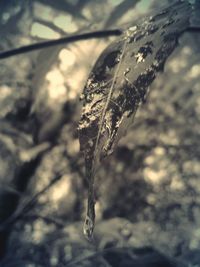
x,y
118,84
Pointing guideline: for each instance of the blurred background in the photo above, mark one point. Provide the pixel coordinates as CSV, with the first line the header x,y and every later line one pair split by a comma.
x,y
148,191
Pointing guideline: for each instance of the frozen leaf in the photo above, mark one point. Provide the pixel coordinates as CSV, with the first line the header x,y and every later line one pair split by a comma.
x,y
119,82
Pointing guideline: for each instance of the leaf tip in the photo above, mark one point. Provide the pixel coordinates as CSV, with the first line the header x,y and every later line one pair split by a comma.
x,y
88,228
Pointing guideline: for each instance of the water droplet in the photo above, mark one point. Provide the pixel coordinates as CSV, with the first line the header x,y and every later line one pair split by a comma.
x,y
88,228
133,28
151,18
93,118
127,71
82,96
89,98
152,29
118,60
156,63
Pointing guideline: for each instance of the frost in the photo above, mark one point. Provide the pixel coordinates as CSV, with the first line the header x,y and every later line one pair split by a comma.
x,y
118,84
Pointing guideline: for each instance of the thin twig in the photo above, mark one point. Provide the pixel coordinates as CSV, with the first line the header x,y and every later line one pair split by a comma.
x,y
50,25
47,219
97,253
64,40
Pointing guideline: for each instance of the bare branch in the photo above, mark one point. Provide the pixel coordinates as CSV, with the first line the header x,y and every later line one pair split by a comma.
x,y
119,11
51,26
64,40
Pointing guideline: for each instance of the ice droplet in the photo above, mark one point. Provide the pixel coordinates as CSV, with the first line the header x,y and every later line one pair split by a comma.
x,y
133,28
88,228
89,98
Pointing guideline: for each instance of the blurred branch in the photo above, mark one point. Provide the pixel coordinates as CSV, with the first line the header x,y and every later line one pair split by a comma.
x,y
75,167
50,25
21,212
143,256
82,3
192,147
119,11
10,25
64,40
47,219
10,189
62,6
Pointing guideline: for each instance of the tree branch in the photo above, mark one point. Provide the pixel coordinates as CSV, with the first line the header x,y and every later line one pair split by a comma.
x,y
64,40
62,6
51,26
119,11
